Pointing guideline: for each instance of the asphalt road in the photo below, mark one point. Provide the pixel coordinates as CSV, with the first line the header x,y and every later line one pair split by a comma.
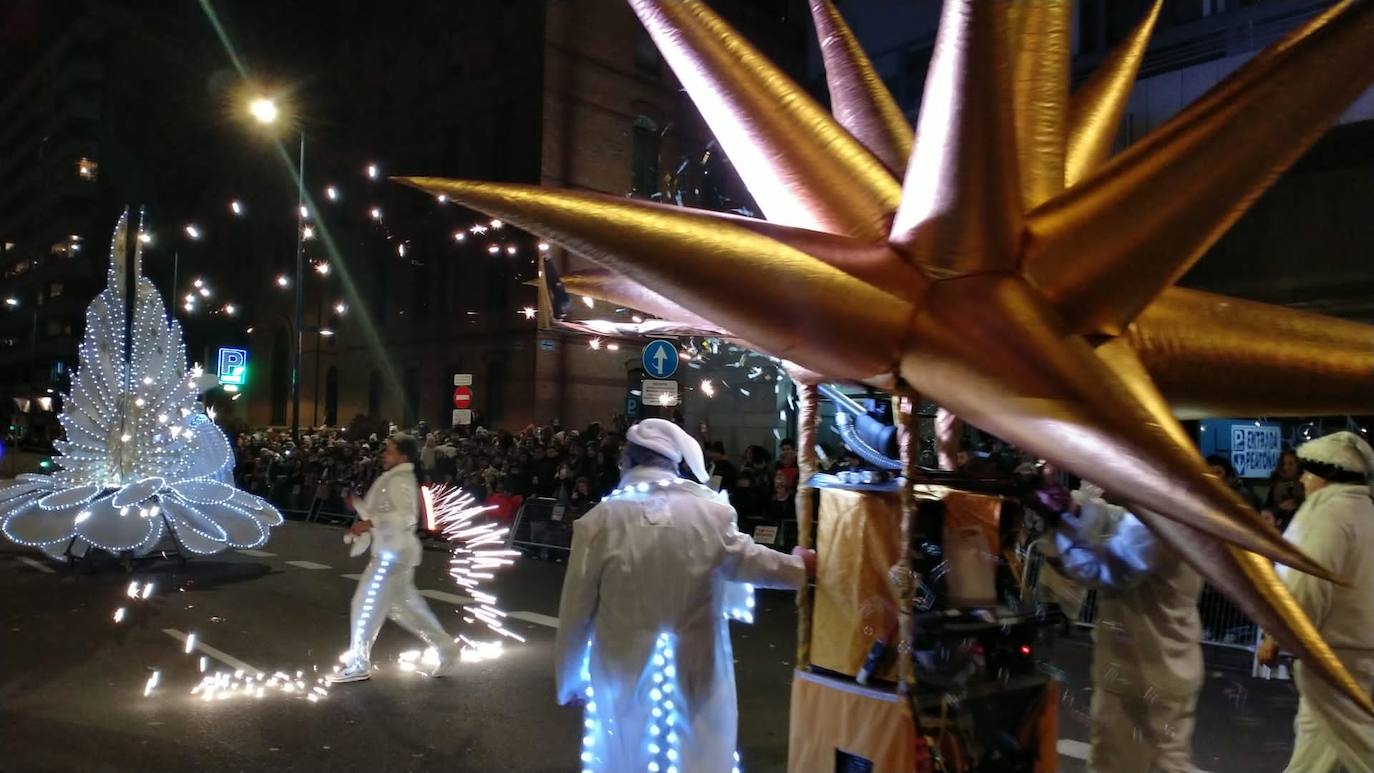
x,y
72,680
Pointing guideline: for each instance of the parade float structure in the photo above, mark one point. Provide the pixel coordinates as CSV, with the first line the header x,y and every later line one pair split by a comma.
x,y
999,262
141,461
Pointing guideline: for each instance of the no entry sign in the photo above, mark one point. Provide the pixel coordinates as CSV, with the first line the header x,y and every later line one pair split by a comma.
x,y
462,397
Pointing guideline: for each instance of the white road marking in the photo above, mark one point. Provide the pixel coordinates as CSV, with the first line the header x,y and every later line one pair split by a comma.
x,y
39,565
351,576
534,617
1076,750
447,598
255,553
220,655
308,564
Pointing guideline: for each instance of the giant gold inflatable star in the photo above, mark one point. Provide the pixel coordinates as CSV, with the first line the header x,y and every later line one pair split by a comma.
x,y
999,263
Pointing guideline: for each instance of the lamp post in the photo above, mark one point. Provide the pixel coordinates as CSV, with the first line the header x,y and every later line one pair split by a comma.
x,y
265,111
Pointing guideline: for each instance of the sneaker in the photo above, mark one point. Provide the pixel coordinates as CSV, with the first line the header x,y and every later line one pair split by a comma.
x,y
449,659
355,672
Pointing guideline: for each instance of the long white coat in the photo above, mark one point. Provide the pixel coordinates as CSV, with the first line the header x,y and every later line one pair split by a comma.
x,y
643,636
1335,526
1147,656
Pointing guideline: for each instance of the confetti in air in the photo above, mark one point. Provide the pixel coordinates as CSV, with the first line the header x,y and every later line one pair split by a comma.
x,y
478,548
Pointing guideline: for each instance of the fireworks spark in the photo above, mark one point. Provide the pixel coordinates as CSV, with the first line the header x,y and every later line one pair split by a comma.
x,y
478,548
224,685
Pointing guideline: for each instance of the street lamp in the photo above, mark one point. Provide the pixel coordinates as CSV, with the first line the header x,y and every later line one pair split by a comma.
x,y
264,110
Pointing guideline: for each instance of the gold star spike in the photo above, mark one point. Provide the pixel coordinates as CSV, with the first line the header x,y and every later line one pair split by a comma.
x,y
1014,275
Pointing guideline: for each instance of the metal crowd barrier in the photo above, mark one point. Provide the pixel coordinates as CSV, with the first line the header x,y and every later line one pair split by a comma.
x,y
1223,624
541,525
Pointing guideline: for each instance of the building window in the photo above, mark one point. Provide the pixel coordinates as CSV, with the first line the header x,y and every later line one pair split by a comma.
x,y
87,169
281,376
646,53
331,397
644,158
412,396
374,395
55,290
496,391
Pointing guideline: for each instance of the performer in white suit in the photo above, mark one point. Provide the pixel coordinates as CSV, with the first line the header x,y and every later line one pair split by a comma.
x,y
1335,526
388,517
643,641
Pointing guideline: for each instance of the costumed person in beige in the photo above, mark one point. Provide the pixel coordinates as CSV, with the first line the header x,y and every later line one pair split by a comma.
x,y
1147,655
387,519
1335,526
643,640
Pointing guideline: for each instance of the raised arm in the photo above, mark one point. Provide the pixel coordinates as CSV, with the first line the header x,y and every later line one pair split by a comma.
x,y
1119,558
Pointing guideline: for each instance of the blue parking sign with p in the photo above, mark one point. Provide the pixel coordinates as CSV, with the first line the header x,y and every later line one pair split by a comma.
x,y
233,367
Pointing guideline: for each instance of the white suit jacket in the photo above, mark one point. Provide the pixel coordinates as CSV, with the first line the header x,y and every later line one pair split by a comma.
x,y
392,505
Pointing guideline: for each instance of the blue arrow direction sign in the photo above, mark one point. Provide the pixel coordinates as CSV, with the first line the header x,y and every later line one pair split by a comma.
x,y
660,359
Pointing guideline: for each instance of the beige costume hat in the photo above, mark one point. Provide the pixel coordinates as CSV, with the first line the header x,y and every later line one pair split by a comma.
x,y
669,440
1344,451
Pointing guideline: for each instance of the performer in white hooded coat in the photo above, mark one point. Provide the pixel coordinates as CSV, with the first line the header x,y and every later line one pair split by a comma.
x,y
643,640
387,518
1147,656
1335,526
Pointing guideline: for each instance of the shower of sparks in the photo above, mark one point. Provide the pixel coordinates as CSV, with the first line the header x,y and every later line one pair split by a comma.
x,y
151,684
224,685
119,614
478,548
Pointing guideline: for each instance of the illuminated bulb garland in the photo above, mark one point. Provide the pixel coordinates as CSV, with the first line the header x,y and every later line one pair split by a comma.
x,y
128,474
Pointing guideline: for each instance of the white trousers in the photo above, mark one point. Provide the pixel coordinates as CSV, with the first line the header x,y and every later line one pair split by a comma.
x,y
387,590
1141,733
1333,733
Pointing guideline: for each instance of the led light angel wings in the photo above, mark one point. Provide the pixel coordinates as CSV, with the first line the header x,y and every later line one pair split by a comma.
x,y
140,456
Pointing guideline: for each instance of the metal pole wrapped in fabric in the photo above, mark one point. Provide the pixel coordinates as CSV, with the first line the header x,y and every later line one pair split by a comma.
x,y
807,421
908,441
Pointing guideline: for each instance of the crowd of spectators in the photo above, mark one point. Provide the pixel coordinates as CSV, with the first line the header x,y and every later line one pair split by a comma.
x,y
573,468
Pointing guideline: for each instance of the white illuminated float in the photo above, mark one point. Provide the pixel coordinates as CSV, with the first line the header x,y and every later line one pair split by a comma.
x,y
141,459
